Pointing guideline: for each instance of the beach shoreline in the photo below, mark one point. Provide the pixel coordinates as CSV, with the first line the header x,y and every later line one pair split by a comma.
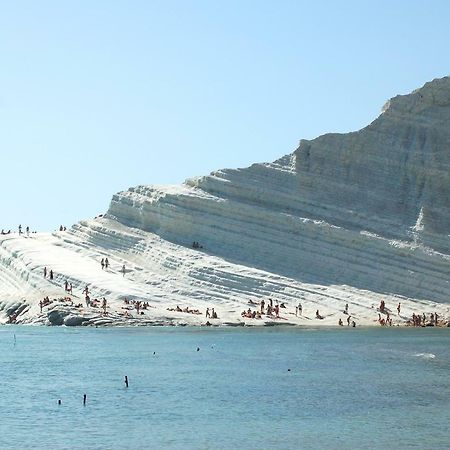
x,y
57,279
61,313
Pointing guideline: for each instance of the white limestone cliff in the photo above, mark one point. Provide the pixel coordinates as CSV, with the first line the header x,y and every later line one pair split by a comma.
x,y
359,216
369,209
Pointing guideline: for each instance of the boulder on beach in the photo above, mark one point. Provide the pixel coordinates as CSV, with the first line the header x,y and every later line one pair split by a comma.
x,y
73,320
56,316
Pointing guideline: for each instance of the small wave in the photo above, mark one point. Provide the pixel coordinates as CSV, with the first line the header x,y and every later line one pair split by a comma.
x,y
426,355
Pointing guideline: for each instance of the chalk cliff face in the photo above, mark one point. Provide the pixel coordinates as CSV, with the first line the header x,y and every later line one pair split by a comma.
x,y
369,209
346,219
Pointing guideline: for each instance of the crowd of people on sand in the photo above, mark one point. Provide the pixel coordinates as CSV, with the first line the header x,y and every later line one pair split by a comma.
x,y
138,305
93,303
89,302
382,309
269,310
349,320
188,310
46,301
420,320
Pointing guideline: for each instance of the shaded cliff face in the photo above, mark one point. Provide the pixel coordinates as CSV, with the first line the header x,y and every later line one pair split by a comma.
x,y
369,209
395,172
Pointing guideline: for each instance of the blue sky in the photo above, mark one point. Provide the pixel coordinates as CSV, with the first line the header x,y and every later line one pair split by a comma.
x,y
98,96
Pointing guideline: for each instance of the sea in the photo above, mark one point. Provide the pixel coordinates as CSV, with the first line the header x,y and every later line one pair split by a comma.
x,y
224,388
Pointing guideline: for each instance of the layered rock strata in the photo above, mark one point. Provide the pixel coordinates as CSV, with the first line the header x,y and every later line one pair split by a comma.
x,y
370,209
346,219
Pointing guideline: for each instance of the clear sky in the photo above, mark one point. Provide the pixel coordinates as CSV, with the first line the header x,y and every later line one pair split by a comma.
x,y
97,96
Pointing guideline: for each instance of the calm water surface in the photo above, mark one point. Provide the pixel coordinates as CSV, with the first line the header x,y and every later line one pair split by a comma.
x,y
346,388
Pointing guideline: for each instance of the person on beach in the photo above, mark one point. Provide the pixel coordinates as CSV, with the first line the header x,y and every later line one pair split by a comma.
x,y
28,231
262,306
66,285
348,320
346,309
45,272
40,305
300,309
102,262
20,230
69,289
123,270
207,312
296,311
341,324
398,308
51,274
86,290
104,306
106,263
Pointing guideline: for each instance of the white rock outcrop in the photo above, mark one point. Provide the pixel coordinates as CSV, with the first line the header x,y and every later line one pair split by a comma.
x,y
369,209
346,218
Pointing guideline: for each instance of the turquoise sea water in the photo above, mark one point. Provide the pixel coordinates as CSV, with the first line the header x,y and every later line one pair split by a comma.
x,y
346,388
